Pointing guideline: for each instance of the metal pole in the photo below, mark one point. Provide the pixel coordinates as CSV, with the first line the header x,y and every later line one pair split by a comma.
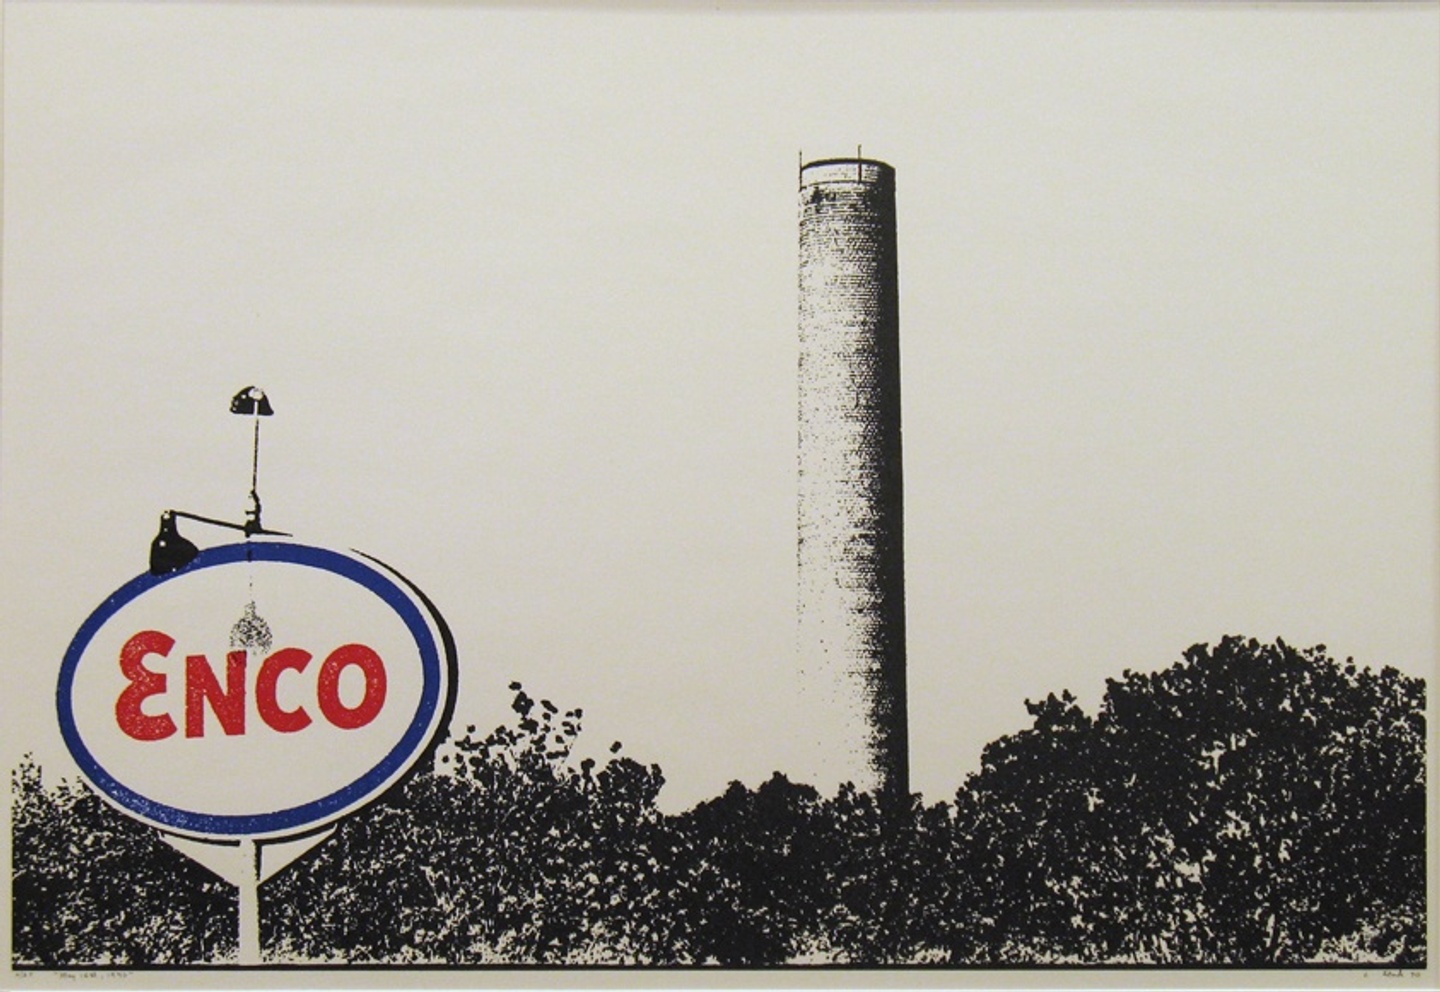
x,y
249,934
252,508
255,454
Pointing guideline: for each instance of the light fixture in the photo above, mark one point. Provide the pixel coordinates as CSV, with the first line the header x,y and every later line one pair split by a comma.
x,y
170,551
252,402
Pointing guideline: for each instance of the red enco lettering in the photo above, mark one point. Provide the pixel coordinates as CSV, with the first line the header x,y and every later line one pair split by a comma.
x,y
227,702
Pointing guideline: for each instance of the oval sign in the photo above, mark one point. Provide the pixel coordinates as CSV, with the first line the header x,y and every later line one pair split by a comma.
x,y
263,690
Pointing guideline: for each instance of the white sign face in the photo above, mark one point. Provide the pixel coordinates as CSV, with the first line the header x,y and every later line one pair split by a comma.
x,y
264,689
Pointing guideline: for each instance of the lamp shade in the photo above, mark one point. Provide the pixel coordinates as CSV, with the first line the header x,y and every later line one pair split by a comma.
x,y
169,551
251,401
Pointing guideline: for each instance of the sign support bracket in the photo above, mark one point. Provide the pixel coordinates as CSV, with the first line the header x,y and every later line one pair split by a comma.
x,y
246,865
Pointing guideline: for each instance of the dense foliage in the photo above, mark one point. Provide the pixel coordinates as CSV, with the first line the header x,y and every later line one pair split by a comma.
x,y
91,886
1253,804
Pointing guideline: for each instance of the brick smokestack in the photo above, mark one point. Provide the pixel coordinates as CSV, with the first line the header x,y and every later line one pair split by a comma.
x,y
851,519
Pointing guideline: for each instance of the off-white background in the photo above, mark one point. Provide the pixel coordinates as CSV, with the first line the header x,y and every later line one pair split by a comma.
x,y
520,281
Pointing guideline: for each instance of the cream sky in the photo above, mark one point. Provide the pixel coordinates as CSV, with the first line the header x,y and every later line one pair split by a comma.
x,y
520,281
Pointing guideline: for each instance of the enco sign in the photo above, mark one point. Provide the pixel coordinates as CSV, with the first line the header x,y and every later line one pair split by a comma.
x,y
184,710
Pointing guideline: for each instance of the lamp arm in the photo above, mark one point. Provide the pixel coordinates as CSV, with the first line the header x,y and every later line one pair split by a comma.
x,y
185,514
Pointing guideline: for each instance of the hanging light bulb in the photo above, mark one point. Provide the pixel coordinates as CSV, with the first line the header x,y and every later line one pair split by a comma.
x,y
251,631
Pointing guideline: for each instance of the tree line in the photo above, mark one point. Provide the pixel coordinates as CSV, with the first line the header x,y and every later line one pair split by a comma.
x,y
1253,804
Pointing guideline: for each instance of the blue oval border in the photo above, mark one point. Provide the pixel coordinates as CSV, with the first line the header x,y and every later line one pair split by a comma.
x,y
295,819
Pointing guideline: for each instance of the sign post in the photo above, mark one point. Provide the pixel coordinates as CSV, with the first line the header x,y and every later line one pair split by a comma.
x,y
249,908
